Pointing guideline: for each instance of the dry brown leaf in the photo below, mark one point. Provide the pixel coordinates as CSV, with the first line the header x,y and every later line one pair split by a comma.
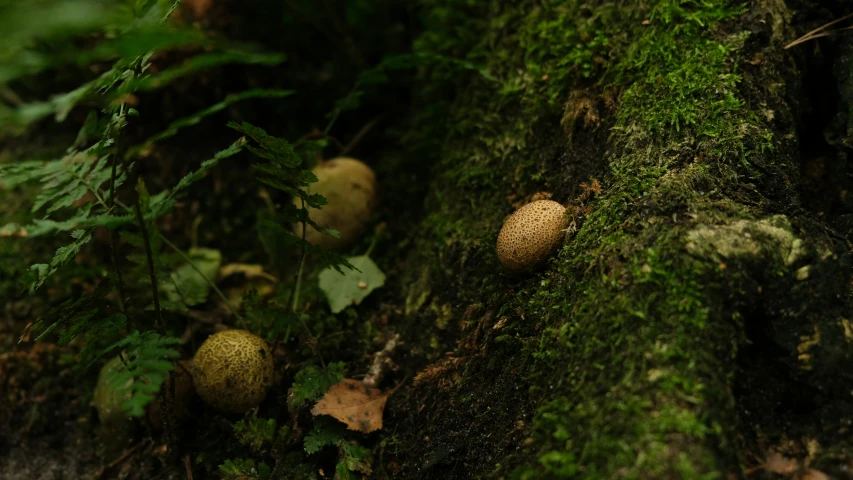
x,y
355,404
778,463
249,270
812,474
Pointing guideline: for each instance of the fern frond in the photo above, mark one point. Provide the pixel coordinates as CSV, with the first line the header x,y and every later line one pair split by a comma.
x,y
62,256
162,203
197,117
147,363
285,170
23,23
205,61
84,317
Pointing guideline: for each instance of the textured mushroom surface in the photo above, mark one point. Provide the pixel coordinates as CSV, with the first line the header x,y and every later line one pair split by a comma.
x,y
350,190
106,400
531,234
233,370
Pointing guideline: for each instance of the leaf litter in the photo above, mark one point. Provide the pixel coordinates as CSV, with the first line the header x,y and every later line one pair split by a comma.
x,y
352,402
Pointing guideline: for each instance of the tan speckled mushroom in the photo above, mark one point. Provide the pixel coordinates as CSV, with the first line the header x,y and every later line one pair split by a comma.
x,y
233,370
531,234
350,189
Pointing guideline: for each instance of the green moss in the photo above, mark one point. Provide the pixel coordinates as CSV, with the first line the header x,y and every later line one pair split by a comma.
x,y
632,368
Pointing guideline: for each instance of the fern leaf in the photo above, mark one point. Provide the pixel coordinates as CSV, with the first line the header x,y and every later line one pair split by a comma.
x,y
277,150
62,256
82,317
147,363
162,204
206,61
197,117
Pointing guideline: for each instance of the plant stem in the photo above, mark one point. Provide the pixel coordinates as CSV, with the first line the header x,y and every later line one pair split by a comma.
x,y
298,287
376,234
160,324
113,234
194,267
206,279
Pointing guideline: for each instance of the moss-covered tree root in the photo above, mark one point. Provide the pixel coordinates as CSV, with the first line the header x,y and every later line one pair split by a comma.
x,y
669,128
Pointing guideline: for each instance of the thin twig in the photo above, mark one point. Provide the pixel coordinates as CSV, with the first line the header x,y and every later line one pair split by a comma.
x,y
381,362
210,282
194,267
338,110
160,323
188,467
813,34
358,136
124,456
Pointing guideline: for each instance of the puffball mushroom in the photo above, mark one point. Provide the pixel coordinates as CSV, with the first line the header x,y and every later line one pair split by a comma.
x,y
106,400
531,234
349,187
233,370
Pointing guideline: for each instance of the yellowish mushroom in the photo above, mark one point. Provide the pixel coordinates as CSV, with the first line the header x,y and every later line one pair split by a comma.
x,y
233,370
531,235
350,190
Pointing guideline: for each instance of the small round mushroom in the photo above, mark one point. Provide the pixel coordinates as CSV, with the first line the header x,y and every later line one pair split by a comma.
x,y
106,399
233,370
350,190
531,235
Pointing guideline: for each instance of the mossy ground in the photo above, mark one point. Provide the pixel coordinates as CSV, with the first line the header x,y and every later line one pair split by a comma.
x,y
630,343
670,129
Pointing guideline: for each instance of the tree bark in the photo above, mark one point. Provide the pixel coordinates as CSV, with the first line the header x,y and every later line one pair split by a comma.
x,y
696,317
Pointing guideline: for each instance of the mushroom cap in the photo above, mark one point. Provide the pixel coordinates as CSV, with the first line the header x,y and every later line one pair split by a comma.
x,y
107,400
350,190
531,234
233,370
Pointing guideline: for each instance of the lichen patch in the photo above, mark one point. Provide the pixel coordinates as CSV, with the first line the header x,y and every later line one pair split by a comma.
x,y
746,239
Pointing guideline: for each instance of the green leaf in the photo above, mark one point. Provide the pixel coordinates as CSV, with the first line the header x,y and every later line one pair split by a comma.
x,y
312,382
324,434
244,468
277,150
148,362
355,459
254,432
187,284
62,256
351,287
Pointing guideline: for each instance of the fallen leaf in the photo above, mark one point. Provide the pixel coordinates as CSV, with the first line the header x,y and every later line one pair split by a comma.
x,y
778,463
360,407
186,285
249,270
13,230
352,286
812,474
